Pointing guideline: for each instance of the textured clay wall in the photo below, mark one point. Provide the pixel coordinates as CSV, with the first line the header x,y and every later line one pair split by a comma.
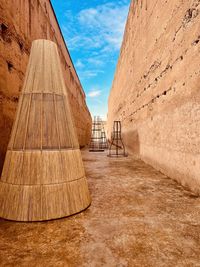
x,y
22,21
156,89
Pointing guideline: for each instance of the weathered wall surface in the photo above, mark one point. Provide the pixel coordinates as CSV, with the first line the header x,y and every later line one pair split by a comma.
x,y
156,89
21,22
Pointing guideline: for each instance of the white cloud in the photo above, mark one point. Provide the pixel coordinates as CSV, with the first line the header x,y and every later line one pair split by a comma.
x,y
94,93
95,61
105,23
86,74
80,41
98,27
79,64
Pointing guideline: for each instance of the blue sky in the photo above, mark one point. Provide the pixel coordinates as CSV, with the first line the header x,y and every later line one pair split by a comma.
x,y
93,31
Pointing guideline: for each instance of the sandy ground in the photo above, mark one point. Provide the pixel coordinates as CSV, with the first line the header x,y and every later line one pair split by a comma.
x,y
138,217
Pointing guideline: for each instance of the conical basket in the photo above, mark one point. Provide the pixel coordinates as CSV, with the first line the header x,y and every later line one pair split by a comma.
x,y
43,176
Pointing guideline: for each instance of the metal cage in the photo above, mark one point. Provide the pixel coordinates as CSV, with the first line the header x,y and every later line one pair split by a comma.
x,y
116,147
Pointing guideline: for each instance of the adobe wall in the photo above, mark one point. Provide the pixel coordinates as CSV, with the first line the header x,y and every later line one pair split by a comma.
x,y
22,22
156,89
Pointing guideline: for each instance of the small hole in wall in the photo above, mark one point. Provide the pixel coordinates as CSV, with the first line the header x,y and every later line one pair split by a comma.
x,y
21,46
181,57
4,28
15,99
10,65
196,42
164,93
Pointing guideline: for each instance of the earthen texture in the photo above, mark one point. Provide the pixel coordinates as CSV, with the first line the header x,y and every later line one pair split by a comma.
x,y
156,89
138,218
21,23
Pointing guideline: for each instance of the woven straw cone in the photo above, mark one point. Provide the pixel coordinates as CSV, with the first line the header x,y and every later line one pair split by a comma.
x,y
43,176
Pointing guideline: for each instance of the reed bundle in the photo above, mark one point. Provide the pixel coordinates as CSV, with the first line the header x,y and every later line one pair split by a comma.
x,y
43,175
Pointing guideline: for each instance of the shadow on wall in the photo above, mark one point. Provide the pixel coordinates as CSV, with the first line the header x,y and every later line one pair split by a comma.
x,y
132,142
2,157
5,130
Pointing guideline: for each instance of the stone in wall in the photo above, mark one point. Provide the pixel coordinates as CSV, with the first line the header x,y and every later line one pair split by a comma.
x,y
156,89
21,22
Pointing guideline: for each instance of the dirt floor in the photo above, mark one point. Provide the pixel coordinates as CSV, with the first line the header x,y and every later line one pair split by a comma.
x,y
138,217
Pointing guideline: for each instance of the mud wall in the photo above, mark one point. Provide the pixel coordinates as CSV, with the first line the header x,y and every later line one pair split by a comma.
x,y
156,89
22,21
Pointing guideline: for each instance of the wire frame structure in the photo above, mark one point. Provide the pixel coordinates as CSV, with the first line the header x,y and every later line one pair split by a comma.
x,y
96,142
104,139
116,147
43,176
